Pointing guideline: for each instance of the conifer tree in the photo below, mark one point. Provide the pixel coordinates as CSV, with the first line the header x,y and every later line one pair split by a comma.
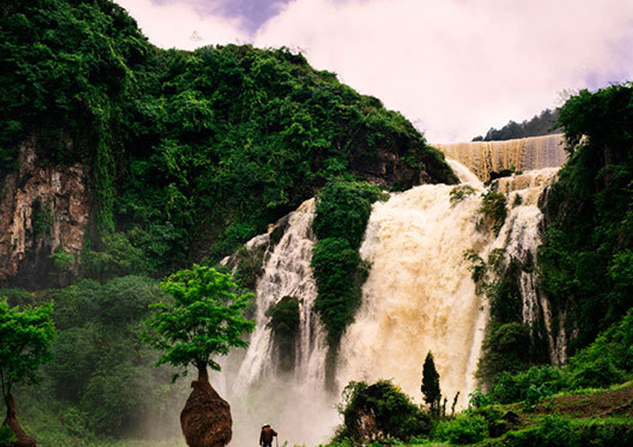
x,y
431,384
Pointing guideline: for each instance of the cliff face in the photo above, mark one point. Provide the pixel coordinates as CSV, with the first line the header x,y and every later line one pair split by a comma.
x,y
44,209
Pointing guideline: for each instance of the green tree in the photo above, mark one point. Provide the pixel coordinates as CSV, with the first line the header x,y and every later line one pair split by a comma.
x,y
203,319
25,336
431,384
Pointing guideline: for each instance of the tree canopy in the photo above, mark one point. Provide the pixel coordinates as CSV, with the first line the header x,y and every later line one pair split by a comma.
x,y
203,319
431,383
25,336
544,123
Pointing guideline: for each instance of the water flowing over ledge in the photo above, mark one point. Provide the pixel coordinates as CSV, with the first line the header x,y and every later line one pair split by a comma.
x,y
525,154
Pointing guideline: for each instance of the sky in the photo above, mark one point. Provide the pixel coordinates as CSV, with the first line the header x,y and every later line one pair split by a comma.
x,y
454,68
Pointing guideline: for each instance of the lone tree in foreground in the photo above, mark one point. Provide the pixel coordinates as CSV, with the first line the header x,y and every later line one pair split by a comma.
x,y
25,336
431,384
204,318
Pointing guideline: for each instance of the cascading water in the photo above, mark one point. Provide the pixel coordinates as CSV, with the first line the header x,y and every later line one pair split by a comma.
x,y
521,239
294,403
525,154
287,272
419,297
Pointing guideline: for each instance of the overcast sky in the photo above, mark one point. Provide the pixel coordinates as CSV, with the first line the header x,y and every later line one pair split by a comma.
x,y
453,67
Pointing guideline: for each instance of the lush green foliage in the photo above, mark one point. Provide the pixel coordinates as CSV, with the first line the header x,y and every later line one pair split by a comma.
x,y
25,338
506,348
586,263
431,384
509,344
342,212
284,322
6,436
343,209
460,192
607,361
493,208
544,123
464,429
394,413
102,380
339,274
203,319
558,431
100,364
191,153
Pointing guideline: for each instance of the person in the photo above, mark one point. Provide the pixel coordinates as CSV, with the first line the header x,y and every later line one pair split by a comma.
x,y
266,436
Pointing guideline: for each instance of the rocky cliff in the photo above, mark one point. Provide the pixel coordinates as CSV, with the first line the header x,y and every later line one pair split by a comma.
x,y
44,210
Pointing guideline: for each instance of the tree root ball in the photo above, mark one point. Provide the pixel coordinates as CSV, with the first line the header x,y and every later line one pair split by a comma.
x,y
206,419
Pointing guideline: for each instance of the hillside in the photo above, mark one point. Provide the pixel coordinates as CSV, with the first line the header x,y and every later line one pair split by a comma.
x,y
545,123
170,156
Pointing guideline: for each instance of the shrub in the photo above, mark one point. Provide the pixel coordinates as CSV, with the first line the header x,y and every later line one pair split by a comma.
x,y
535,394
392,411
554,431
6,436
464,429
513,387
493,207
459,193
478,399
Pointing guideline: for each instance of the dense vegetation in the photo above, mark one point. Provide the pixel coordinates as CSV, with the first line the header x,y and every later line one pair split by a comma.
x,y
586,262
544,123
285,319
191,153
102,381
342,212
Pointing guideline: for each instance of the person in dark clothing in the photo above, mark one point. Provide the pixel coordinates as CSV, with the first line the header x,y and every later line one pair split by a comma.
x,y
266,436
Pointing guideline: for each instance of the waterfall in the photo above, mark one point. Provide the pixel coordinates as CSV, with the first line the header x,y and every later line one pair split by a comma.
x,y
419,297
295,403
287,272
525,154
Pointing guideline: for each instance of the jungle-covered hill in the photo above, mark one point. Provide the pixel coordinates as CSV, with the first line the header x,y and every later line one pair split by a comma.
x,y
184,155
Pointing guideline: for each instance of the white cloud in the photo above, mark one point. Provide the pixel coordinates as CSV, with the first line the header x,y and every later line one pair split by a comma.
x,y
173,25
458,66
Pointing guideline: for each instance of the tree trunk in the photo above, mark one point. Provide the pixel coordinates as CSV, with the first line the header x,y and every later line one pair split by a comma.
x,y
203,375
22,439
